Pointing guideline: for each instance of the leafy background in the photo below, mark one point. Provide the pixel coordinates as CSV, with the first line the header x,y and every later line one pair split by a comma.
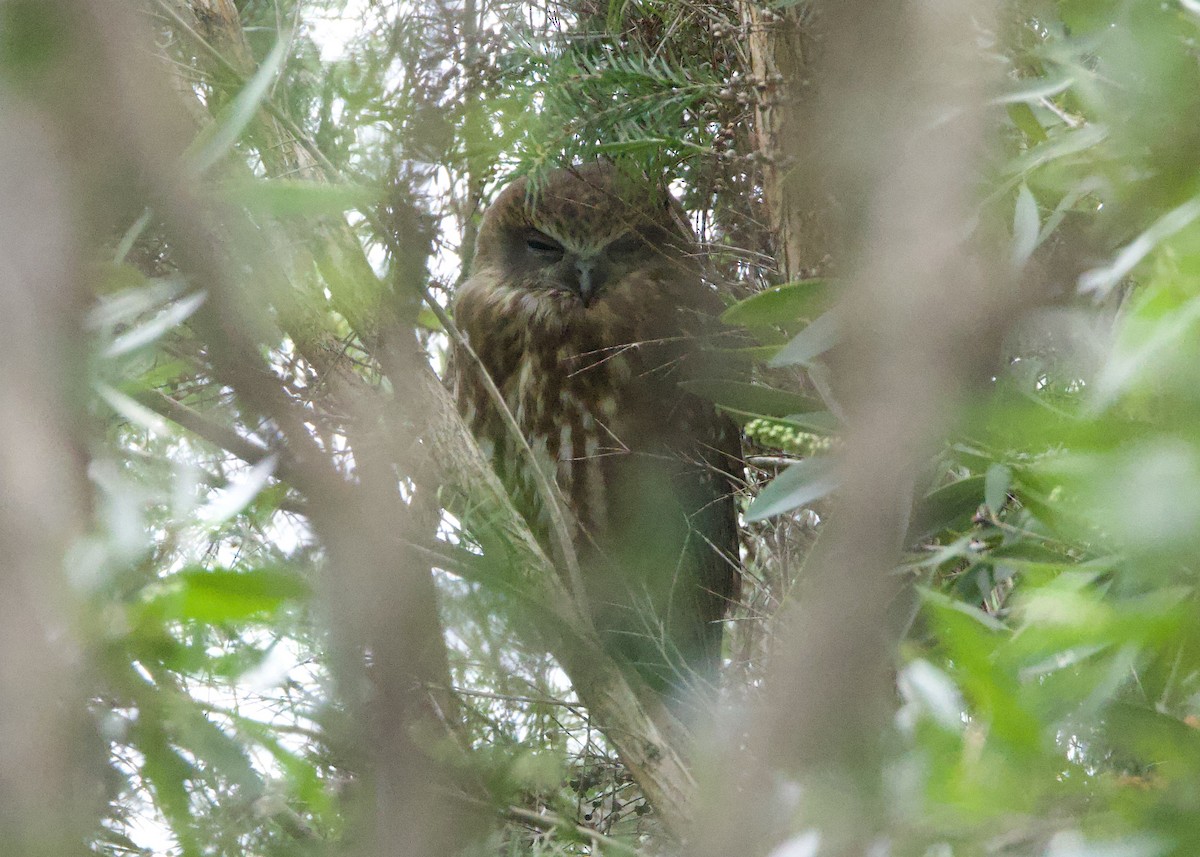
x,y
1046,668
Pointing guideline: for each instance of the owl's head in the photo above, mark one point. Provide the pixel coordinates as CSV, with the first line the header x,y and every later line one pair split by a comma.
x,y
586,242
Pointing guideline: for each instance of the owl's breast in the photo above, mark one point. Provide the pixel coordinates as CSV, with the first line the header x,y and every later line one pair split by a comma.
x,y
572,404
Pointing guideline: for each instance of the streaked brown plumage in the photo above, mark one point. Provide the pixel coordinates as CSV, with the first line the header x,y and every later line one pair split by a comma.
x,y
585,303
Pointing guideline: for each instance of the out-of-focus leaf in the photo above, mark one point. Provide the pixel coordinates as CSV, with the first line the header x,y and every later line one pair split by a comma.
x,y
747,398
781,305
131,296
969,610
133,410
1023,117
240,493
215,750
950,507
304,780
808,842
1026,227
292,198
1061,660
427,320
215,140
1036,89
222,595
997,481
151,331
167,773
810,343
1100,281
1059,146
1148,343
802,483
934,691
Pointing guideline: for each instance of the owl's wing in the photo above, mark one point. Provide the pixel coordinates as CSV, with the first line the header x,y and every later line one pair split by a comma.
x,y
671,530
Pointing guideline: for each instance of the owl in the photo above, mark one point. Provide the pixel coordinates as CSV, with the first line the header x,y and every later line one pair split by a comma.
x,y
586,306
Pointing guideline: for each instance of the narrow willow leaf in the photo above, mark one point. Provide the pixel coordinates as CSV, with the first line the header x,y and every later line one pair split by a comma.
x,y
132,295
154,329
756,399
240,493
1026,227
168,774
1036,89
1100,281
782,305
131,235
217,596
934,692
810,343
291,198
818,422
427,320
802,483
1132,360
1024,118
1061,145
132,410
995,487
945,602
217,139
950,507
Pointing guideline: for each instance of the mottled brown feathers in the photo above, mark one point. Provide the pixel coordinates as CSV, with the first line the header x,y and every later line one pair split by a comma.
x,y
585,303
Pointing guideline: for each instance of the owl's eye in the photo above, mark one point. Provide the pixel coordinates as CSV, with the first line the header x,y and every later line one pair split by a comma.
x,y
543,246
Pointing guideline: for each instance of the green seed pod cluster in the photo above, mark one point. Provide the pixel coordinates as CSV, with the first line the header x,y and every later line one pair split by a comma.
x,y
787,437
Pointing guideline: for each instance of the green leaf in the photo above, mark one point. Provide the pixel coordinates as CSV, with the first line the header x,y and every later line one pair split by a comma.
x,y
1036,89
208,743
167,773
757,399
1101,281
240,493
996,484
134,411
802,483
427,320
817,422
746,356
1026,227
810,343
948,508
954,605
131,294
291,198
221,595
1059,146
175,314
216,139
1023,117
782,305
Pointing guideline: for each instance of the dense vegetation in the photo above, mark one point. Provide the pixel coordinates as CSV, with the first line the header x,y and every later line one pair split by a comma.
x,y
262,596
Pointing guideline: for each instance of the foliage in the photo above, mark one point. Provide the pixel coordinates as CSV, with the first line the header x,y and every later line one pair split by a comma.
x,y
1050,681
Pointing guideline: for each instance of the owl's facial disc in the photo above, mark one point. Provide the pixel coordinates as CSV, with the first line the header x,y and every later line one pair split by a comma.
x,y
581,271
591,276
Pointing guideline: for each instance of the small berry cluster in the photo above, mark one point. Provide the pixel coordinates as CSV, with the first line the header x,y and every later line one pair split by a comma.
x,y
786,436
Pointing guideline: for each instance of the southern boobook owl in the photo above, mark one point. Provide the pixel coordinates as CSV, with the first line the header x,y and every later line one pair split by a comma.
x,y
585,304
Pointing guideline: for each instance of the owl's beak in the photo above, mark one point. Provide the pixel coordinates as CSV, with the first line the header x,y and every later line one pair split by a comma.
x,y
590,280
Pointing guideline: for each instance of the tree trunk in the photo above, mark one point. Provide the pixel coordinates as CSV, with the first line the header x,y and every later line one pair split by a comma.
x,y
781,52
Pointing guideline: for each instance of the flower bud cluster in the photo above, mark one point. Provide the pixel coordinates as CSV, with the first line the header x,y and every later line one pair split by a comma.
x,y
787,436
